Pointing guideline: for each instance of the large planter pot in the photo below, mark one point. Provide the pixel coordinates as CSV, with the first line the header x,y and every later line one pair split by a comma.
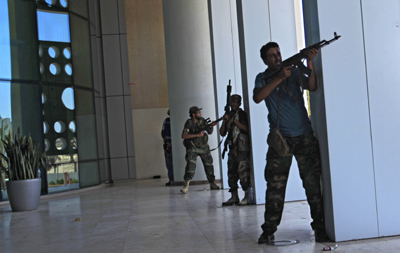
x,y
24,195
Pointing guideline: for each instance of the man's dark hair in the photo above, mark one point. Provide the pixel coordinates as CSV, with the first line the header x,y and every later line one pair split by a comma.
x,y
266,47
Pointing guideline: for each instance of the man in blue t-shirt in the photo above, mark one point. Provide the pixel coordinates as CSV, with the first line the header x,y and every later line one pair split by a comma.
x,y
283,96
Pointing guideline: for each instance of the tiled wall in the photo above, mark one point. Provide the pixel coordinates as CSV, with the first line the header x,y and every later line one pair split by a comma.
x,y
112,91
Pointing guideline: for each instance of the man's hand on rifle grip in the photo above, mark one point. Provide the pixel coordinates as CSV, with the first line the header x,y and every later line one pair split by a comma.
x,y
285,73
311,54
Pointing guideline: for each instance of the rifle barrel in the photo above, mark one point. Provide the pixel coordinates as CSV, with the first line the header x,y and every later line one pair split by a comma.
x,y
291,60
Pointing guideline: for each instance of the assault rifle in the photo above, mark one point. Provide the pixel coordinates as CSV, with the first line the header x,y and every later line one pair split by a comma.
x,y
207,127
228,100
296,60
227,111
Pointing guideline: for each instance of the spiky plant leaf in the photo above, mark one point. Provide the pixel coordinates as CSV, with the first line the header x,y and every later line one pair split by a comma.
x,y
22,157
30,144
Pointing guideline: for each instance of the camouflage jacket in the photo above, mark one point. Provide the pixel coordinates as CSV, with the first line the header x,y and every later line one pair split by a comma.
x,y
234,131
194,128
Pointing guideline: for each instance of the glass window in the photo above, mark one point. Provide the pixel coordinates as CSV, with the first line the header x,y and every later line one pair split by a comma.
x,y
62,173
85,125
5,98
22,42
37,84
62,170
68,98
55,67
53,26
20,109
80,49
5,56
5,129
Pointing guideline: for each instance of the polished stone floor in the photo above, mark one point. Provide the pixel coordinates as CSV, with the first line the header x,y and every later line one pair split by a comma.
x,y
146,216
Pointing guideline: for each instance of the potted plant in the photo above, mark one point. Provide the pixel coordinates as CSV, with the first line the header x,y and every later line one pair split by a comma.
x,y
22,161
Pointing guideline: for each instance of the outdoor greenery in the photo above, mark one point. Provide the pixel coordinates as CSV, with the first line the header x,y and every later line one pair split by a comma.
x,y
61,181
5,128
22,158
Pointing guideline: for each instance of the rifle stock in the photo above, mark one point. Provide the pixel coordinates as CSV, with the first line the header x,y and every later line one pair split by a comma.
x,y
296,60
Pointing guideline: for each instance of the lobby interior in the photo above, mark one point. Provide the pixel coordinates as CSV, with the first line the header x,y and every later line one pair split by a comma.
x,y
122,97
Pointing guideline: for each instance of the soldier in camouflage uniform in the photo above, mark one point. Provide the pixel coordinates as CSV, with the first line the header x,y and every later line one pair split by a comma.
x,y
283,96
195,139
236,126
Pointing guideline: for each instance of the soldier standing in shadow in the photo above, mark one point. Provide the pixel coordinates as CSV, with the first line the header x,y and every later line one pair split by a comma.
x,y
166,135
235,124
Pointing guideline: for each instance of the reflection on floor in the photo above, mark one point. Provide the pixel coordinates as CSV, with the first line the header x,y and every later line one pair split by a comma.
x,y
147,216
63,188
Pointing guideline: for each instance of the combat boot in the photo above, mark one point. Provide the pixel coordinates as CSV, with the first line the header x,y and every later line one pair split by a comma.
x,y
234,200
185,186
320,235
213,186
245,200
267,239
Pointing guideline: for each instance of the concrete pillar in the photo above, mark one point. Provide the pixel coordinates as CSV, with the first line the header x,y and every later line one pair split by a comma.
x,y
190,74
112,91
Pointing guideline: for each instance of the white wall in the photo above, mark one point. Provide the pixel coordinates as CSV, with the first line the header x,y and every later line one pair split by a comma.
x,y
354,115
350,162
149,150
382,37
190,77
265,21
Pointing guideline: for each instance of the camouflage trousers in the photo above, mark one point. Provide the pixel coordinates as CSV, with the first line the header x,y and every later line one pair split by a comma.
x,y
238,169
191,158
169,164
305,149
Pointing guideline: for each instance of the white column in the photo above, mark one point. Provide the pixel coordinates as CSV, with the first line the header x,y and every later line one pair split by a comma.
x,y
382,30
354,114
225,43
190,75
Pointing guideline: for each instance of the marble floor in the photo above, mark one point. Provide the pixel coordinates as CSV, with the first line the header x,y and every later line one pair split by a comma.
x,y
146,216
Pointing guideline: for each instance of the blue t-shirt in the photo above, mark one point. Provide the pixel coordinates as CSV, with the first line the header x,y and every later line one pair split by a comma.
x,y
293,117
